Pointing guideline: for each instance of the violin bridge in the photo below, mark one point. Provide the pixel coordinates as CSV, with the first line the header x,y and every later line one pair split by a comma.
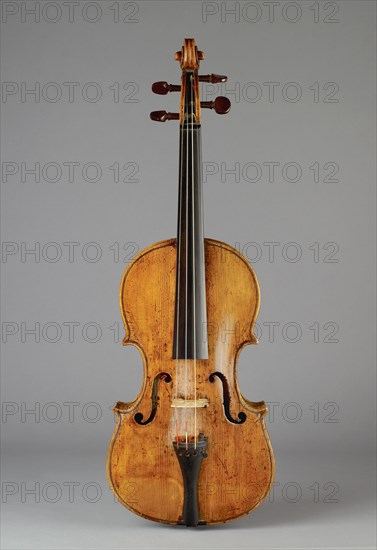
x,y
179,402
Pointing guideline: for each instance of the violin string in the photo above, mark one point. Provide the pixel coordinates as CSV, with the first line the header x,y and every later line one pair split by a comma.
x,y
186,270
177,361
193,250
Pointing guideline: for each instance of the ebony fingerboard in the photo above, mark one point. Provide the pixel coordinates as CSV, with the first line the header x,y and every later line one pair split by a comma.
x,y
190,332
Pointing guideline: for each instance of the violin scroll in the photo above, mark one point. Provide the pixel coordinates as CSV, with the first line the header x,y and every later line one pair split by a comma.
x,y
189,56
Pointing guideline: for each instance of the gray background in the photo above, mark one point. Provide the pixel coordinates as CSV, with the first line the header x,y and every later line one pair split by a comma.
x,y
322,392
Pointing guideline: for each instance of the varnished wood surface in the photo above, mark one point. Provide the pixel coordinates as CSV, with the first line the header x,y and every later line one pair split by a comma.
x,y
143,470
189,58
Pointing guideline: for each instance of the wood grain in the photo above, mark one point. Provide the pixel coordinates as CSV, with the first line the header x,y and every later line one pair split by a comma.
x,y
143,470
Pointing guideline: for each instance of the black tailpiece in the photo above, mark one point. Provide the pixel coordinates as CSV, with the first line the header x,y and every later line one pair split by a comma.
x,y
190,460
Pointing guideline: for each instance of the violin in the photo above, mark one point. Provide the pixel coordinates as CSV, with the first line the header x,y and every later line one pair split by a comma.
x,y
190,449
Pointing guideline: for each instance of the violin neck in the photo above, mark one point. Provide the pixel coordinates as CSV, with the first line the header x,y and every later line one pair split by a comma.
x,y
190,332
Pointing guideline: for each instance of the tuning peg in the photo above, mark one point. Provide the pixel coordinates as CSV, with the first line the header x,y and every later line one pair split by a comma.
x,y
221,105
213,78
163,116
163,88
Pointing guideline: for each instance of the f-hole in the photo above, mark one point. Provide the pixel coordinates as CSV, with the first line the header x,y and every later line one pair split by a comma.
x,y
139,416
241,417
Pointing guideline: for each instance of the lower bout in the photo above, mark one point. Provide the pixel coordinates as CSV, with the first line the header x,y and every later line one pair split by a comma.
x,y
232,481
